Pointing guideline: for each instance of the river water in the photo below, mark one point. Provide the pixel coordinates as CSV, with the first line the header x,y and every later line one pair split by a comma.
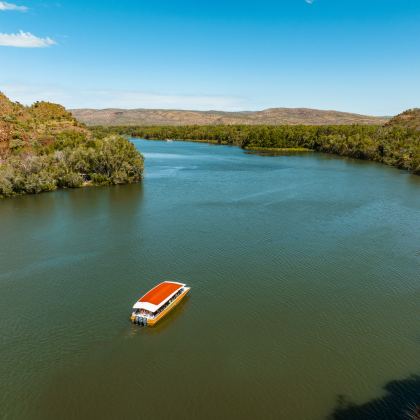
x,y
305,276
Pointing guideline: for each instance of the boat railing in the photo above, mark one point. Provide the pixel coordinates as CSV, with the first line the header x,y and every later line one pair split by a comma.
x,y
173,298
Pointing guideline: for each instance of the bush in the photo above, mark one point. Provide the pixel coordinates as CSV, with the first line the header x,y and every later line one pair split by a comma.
x,y
43,147
70,162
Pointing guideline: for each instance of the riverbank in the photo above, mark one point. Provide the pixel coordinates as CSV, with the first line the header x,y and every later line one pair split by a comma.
x,y
392,145
71,163
43,148
278,150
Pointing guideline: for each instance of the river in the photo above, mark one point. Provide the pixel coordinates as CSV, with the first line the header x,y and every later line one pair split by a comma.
x,y
305,276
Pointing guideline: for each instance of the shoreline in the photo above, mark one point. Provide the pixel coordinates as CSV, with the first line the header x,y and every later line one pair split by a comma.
x,y
276,151
391,146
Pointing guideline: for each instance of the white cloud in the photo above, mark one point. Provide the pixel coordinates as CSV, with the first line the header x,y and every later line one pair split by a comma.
x,y
10,6
130,99
309,1
24,40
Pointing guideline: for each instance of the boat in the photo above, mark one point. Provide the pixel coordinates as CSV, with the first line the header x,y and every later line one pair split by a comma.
x,y
158,302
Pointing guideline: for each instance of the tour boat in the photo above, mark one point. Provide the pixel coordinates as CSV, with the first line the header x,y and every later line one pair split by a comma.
x,y
158,302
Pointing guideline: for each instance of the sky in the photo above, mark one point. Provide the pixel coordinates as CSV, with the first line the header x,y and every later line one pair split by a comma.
x,y
358,56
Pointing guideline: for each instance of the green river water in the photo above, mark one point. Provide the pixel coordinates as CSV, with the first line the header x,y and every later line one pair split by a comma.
x,y
305,276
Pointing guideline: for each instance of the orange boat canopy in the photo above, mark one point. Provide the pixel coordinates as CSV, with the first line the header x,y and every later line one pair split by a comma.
x,y
158,296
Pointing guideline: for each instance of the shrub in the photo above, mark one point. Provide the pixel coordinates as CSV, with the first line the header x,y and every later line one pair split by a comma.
x,y
111,160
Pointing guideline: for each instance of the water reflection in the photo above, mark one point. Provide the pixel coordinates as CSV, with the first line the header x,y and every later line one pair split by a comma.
x,y
115,198
401,402
278,152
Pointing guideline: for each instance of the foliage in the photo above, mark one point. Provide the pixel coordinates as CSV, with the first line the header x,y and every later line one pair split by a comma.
x,y
393,145
112,160
43,148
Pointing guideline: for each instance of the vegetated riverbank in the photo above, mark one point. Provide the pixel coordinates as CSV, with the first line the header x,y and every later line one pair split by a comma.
x,y
277,150
397,145
42,148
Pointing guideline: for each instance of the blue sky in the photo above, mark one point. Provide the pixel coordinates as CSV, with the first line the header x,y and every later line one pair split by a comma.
x,y
350,55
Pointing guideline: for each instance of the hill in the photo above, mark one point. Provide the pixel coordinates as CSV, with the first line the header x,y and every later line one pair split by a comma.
x,y
43,147
24,127
407,119
272,116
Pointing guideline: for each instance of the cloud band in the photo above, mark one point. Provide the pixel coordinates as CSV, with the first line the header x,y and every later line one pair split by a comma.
x,y
24,40
4,6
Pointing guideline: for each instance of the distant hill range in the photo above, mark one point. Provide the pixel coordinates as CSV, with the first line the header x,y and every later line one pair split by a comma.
x,y
272,116
407,119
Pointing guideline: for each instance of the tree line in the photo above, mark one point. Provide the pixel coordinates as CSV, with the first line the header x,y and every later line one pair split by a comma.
x,y
392,145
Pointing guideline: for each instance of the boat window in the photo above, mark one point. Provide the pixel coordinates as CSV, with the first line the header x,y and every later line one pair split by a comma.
x,y
163,307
